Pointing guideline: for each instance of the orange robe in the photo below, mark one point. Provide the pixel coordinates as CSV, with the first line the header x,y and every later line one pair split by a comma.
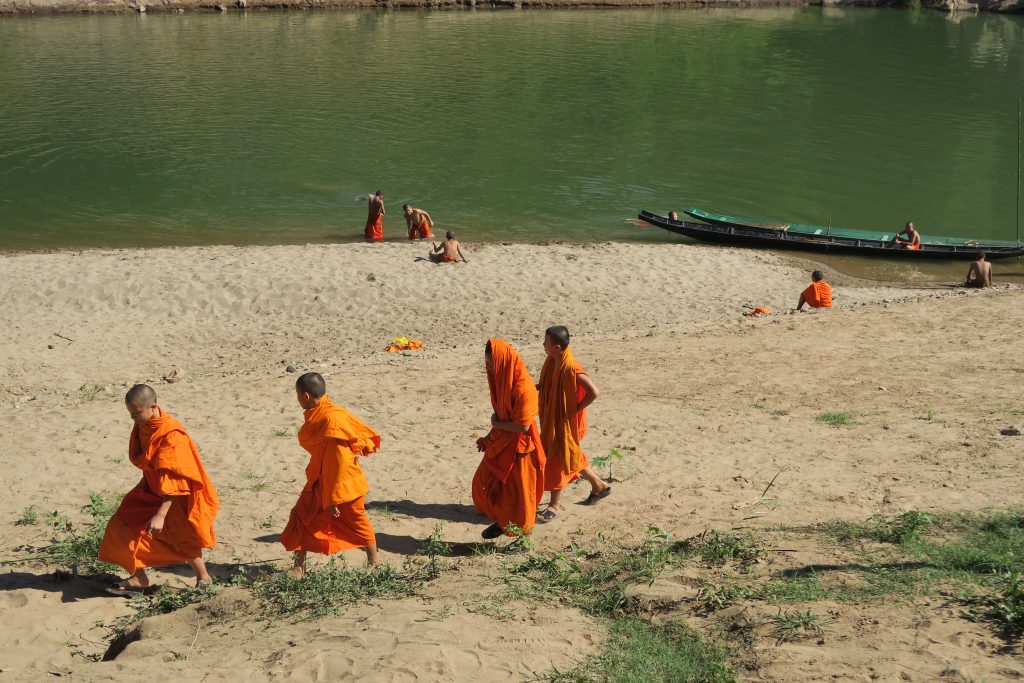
x,y
818,295
509,481
374,229
562,425
447,259
170,466
421,231
333,437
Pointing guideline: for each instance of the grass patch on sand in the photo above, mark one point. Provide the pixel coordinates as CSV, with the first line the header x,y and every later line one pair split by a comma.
x,y
840,419
597,583
325,591
641,652
76,547
29,517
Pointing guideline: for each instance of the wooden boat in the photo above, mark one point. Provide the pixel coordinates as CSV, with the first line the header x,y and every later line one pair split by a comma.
x,y
753,233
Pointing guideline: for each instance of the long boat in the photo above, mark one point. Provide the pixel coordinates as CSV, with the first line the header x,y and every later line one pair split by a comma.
x,y
754,233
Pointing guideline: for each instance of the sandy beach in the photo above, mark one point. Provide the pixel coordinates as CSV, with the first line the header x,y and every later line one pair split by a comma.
x,y
709,405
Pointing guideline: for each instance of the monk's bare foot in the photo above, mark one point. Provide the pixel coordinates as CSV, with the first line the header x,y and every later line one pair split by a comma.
x,y
297,572
599,491
136,582
204,582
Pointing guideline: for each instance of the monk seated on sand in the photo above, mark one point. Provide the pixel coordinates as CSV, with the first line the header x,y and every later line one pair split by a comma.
x,y
913,240
447,250
980,273
509,482
818,295
330,515
168,517
418,222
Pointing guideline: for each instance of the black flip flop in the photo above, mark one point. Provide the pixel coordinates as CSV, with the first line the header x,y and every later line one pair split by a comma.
x,y
594,497
493,531
117,590
546,515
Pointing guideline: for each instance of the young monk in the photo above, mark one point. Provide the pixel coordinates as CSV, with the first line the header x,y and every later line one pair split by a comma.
x,y
168,517
509,482
818,294
565,393
330,515
374,230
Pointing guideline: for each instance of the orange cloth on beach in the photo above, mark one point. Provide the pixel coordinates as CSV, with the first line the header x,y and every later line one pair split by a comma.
x,y
333,437
374,230
411,346
562,425
818,295
170,466
760,310
509,481
445,258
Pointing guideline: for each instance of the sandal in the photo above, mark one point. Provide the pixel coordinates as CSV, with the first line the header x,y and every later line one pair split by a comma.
x,y
123,590
594,497
546,515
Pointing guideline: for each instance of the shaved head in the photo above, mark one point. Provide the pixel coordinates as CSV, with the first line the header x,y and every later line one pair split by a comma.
x,y
559,334
141,395
311,383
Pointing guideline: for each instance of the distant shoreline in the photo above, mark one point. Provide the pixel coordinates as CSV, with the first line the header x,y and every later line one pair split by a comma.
x,y
66,7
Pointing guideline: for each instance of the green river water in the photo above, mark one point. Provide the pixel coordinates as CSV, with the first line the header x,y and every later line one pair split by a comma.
x,y
267,127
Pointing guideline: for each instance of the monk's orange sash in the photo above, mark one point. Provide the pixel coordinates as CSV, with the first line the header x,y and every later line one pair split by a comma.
x,y
559,403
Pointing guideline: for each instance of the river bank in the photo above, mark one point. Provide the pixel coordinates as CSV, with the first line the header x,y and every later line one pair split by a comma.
x,y
707,405
45,7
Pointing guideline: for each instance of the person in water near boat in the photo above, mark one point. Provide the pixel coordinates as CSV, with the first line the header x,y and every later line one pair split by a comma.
x,y
980,273
374,230
913,240
418,222
447,250
673,216
818,295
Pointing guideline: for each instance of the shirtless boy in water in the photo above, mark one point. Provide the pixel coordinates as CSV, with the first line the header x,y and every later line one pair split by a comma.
x,y
447,251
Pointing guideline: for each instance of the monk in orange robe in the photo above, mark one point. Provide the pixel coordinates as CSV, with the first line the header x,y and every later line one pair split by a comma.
x,y
168,517
330,515
818,295
509,482
374,230
565,393
418,222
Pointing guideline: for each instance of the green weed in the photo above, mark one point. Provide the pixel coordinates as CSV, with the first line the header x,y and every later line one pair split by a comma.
x,y
29,517
281,433
77,548
835,419
435,549
614,457
257,482
791,625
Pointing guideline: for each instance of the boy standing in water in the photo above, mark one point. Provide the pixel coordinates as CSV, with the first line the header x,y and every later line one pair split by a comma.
x,y
565,393
330,515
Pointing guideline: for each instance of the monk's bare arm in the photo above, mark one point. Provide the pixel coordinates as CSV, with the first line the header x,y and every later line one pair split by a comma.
x,y
508,425
590,388
459,249
156,523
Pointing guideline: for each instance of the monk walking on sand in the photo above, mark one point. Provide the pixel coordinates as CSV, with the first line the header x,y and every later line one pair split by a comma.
x,y
565,393
509,482
374,229
330,515
168,517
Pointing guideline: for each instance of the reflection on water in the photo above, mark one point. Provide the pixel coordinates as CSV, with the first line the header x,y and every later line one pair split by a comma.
x,y
264,127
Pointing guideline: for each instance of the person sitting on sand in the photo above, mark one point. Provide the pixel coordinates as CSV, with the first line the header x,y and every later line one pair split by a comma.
x,y
418,222
980,273
330,515
509,482
447,250
565,393
168,517
913,240
374,230
818,294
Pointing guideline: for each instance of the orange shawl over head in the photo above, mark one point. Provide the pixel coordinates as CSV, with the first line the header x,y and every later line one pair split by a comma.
x,y
560,426
158,452
514,399
340,482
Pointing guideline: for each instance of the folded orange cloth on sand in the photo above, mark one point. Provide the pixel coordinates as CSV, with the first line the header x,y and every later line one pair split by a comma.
x,y
760,310
411,346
